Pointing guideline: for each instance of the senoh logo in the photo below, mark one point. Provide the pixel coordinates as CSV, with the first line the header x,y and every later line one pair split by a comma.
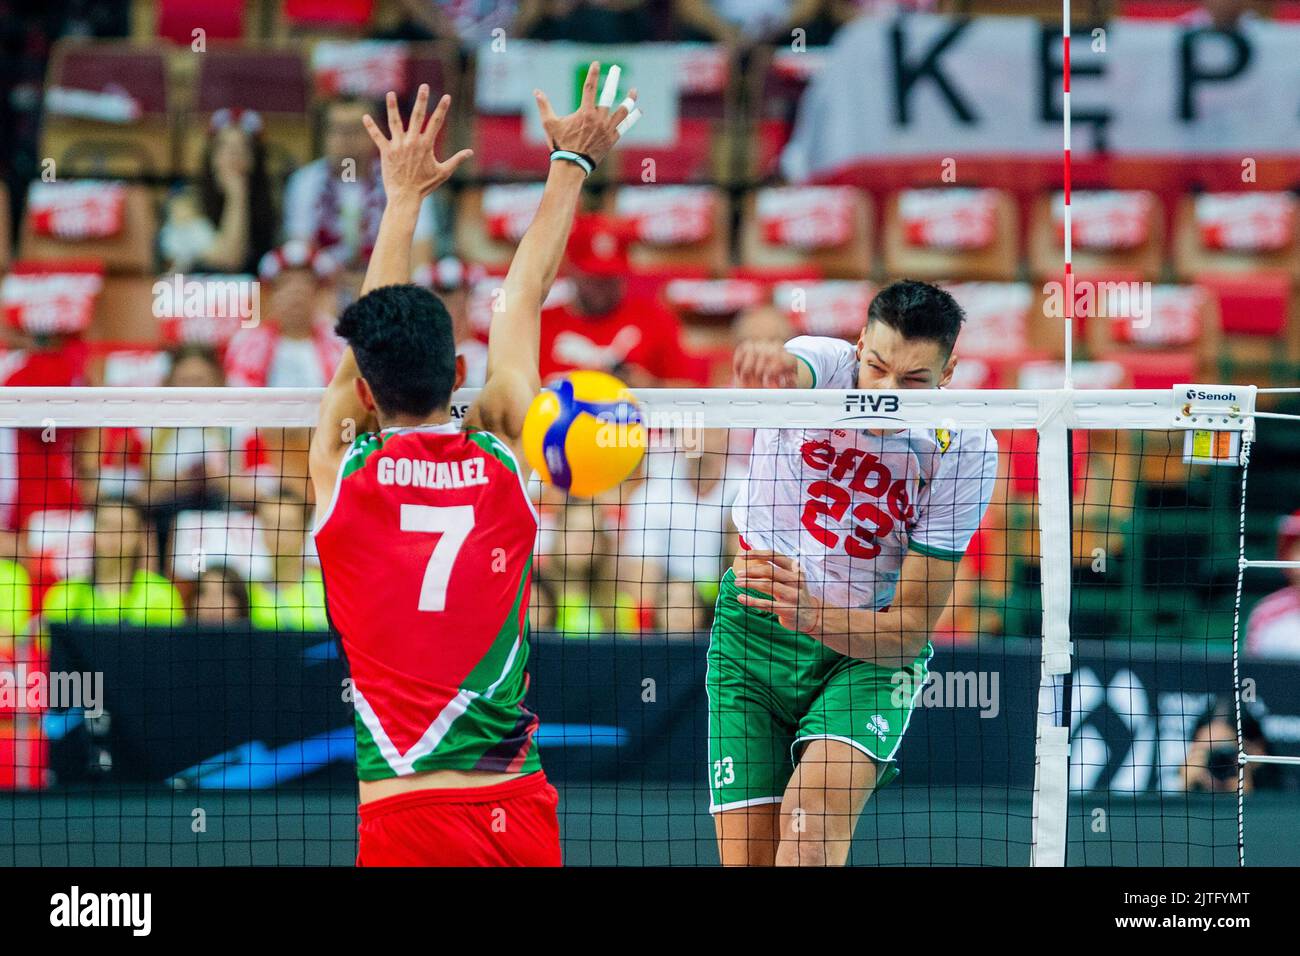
x,y
860,402
1200,395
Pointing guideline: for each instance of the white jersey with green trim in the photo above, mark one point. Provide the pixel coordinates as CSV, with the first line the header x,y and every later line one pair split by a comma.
x,y
849,504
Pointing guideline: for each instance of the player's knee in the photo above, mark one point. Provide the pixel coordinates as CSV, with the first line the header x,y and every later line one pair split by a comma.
x,y
802,853
815,820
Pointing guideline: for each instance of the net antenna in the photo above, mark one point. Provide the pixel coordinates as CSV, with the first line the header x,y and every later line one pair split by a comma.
x,y
1243,564
1067,217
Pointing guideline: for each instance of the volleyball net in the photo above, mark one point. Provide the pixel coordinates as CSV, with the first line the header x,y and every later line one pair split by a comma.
x,y
172,693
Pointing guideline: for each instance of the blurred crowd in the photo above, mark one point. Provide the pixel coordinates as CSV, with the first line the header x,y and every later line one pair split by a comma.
x,y
162,525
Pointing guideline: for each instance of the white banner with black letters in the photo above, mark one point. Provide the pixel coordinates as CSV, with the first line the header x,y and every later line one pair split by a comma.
x,y
922,86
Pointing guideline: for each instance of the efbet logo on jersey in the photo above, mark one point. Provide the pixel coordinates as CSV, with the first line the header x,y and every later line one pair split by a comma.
x,y
584,433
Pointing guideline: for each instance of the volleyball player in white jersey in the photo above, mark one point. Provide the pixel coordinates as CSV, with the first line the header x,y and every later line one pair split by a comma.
x,y
850,540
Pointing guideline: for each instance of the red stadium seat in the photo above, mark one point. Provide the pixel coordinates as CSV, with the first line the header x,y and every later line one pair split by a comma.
x,y
1158,370
176,20
1237,232
1114,231
274,83
372,69
681,231
807,232
836,307
1002,332
119,75
327,13
950,233
490,221
1157,9
52,297
115,364
1251,305
1258,335
127,251
710,301
1177,340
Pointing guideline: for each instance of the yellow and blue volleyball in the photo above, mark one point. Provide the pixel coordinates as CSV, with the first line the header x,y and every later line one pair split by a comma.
x,y
584,433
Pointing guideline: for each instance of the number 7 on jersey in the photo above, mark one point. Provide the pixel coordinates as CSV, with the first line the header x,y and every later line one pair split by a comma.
x,y
454,524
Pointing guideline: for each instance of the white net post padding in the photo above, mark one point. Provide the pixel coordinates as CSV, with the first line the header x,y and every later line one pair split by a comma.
x,y
1052,747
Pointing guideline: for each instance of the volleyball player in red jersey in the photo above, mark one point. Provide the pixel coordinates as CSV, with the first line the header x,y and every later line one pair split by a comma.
x,y
425,529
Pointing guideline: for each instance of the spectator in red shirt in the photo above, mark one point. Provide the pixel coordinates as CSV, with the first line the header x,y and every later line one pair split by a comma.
x,y
36,464
607,329
293,345
1273,628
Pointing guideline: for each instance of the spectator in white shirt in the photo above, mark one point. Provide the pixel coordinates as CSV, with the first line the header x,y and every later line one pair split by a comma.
x,y
679,518
335,202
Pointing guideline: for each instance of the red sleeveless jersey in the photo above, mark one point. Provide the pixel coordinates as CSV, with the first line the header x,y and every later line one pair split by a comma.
x,y
426,552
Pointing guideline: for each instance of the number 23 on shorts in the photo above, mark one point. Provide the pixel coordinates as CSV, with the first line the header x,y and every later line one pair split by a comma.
x,y
724,772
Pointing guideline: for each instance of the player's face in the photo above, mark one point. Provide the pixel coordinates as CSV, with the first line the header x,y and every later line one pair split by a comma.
x,y
345,137
117,533
193,371
293,301
284,526
889,361
215,604
232,150
597,295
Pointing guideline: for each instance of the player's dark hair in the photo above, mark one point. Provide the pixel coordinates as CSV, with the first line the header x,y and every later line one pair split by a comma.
x,y
402,338
918,310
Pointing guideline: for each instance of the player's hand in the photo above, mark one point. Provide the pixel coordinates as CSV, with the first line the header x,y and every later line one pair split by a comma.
x,y
781,578
764,365
406,155
595,126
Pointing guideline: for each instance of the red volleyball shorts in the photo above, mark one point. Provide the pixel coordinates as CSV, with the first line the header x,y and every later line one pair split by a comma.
x,y
507,824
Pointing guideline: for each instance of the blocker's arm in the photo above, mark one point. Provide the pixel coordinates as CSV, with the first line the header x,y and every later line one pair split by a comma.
x,y
589,133
411,171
